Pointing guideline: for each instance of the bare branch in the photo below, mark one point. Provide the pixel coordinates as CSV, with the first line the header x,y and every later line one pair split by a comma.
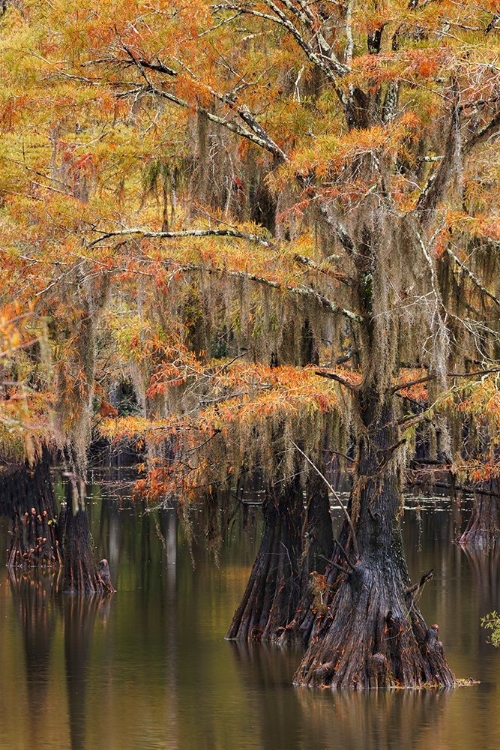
x,y
492,23
417,587
136,231
336,541
338,567
410,383
140,62
338,379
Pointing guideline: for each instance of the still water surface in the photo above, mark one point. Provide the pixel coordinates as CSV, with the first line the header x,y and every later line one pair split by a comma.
x,y
150,668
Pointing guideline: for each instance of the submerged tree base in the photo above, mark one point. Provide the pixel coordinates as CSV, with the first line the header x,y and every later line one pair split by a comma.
x,y
28,498
297,540
81,574
483,529
373,636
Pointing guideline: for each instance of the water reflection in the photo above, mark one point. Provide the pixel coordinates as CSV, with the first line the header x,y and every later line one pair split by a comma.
x,y
32,597
79,615
149,667
379,720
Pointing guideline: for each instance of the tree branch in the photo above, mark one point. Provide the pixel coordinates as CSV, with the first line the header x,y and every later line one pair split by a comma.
x,y
158,67
137,231
410,383
338,379
325,59
262,139
484,133
473,374
427,378
418,586
350,564
310,263
303,291
344,238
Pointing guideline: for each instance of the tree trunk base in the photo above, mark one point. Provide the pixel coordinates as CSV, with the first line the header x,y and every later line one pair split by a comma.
x,y
483,529
81,574
271,596
373,636
28,498
276,606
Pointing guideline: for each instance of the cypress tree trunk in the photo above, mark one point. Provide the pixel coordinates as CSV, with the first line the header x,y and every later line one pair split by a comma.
x,y
28,497
371,633
271,595
81,574
483,528
317,550
278,596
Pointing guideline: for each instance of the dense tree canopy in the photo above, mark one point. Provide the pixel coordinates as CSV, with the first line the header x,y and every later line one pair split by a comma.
x,y
261,237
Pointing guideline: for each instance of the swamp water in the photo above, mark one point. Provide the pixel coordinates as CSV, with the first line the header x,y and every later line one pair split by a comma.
x,y
149,667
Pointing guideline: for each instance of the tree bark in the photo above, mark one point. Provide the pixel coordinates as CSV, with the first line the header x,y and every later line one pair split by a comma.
x,y
271,595
483,528
296,540
28,498
371,633
81,574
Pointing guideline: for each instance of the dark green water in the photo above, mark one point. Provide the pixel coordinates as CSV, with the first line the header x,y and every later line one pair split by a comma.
x,y
150,668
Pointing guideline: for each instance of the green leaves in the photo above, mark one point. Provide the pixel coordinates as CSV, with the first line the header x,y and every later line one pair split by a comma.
x,y
491,622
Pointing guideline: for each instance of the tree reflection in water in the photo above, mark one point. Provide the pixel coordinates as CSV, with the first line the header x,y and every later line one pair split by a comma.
x,y
34,604
79,616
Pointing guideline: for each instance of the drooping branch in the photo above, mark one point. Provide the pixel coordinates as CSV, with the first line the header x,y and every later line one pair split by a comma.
x,y
259,137
302,290
230,100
